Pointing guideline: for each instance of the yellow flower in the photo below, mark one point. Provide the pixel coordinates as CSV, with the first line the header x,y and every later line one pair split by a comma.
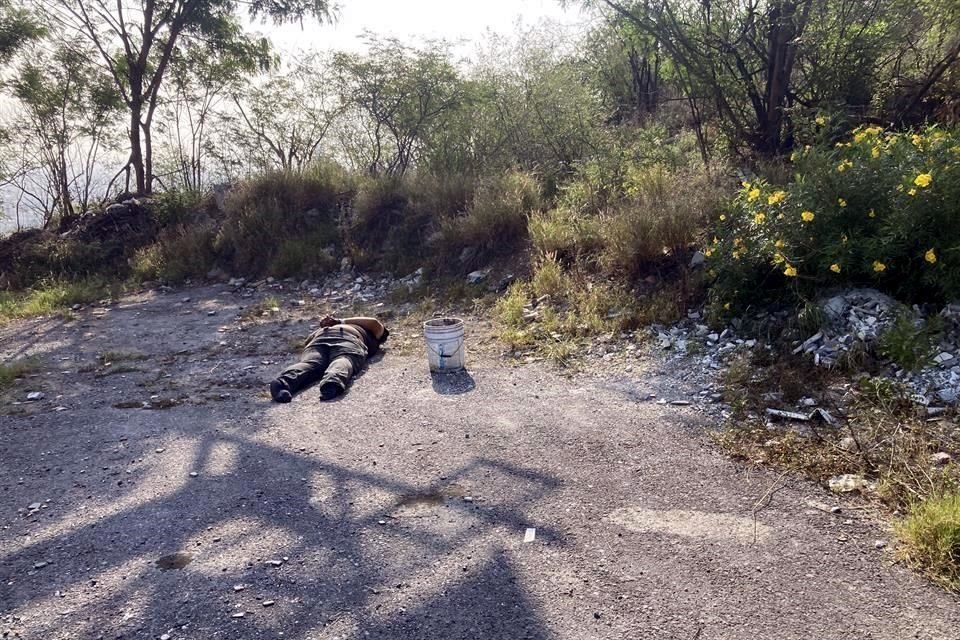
x,y
727,306
930,256
778,244
844,165
737,242
807,216
790,271
875,152
716,240
779,258
835,268
859,136
874,130
821,120
872,213
708,252
923,180
759,218
841,202
753,194
776,197
912,192
879,267
916,140
722,217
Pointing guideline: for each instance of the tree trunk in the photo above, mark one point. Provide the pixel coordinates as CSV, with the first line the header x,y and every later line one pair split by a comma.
x,y
147,160
136,150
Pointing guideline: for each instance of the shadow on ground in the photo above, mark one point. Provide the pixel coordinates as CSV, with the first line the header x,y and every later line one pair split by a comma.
x,y
453,383
272,538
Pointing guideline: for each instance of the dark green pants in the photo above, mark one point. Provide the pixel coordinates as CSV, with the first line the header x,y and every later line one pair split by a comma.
x,y
321,363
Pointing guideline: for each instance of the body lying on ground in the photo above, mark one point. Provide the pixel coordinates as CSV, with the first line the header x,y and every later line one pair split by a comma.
x,y
333,355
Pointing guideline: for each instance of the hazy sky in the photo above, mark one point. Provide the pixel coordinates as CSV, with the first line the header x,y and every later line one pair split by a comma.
x,y
453,20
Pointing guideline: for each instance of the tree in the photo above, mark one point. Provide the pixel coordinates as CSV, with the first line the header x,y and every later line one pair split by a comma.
x,y
17,27
537,109
282,121
137,42
202,81
399,96
66,108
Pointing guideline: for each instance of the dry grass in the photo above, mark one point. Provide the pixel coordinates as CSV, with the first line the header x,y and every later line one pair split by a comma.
x,y
10,371
664,213
886,439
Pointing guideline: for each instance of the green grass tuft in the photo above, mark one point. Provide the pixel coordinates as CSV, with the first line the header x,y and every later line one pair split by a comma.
x,y
50,298
930,539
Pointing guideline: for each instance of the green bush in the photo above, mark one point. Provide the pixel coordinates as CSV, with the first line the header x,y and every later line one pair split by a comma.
x,y
879,209
495,221
627,218
565,234
180,253
930,538
910,342
266,212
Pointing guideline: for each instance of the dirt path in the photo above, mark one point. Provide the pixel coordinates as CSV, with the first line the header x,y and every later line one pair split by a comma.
x,y
400,511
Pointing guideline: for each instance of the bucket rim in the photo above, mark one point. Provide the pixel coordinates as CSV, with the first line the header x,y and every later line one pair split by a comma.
x,y
443,323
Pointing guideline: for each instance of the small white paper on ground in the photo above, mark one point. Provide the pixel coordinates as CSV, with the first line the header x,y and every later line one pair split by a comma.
x,y
530,535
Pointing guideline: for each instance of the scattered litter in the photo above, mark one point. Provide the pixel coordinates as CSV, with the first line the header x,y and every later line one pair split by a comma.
x,y
269,603
823,415
847,483
788,415
530,534
34,396
941,458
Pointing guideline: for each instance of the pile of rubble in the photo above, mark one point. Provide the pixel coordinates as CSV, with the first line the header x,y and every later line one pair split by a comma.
x,y
852,321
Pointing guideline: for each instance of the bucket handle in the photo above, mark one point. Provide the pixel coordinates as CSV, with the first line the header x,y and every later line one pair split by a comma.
x,y
443,355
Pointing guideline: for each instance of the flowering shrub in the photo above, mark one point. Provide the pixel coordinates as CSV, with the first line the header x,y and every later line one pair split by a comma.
x,y
881,209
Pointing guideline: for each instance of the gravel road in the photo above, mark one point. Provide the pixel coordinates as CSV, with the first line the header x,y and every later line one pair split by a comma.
x,y
155,492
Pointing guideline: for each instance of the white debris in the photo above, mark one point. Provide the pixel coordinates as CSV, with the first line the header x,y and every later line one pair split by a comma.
x,y
530,534
847,483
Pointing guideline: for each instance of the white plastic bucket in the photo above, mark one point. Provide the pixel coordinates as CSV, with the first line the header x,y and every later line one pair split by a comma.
x,y
445,350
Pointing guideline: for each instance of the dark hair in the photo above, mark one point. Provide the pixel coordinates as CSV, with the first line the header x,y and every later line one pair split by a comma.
x,y
386,334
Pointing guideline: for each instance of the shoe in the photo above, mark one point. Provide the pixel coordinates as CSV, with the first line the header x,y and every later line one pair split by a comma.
x,y
330,390
279,392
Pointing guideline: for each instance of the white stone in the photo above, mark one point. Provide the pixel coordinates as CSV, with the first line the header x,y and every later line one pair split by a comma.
x,y
941,458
